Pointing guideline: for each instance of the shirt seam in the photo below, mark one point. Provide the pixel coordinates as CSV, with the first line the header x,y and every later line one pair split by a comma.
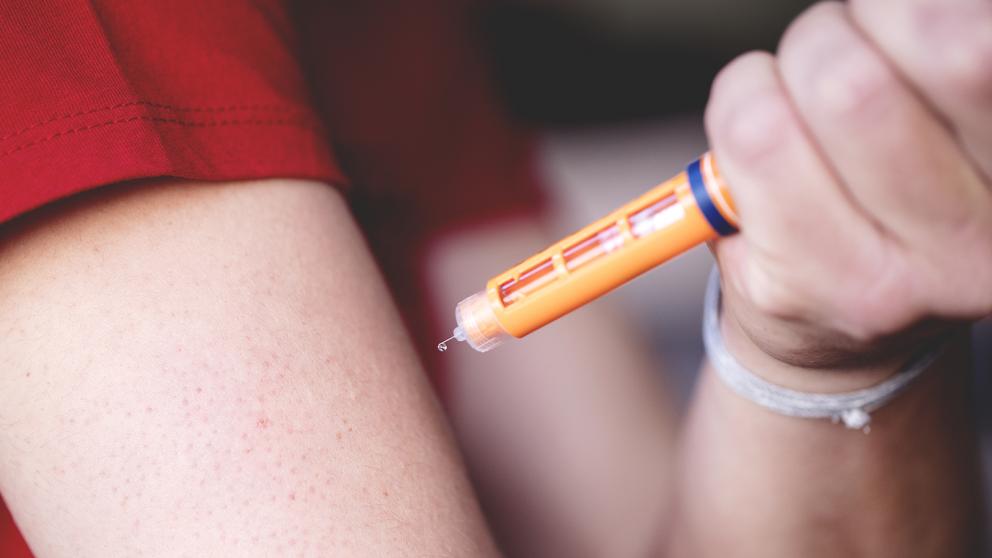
x,y
303,122
150,104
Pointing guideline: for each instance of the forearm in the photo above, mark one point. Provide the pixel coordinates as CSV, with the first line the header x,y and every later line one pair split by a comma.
x,y
864,233
754,483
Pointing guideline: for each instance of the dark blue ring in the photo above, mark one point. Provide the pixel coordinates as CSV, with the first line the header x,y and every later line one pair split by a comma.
x,y
705,203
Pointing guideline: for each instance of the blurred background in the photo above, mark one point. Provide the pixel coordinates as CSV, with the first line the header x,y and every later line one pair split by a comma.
x,y
583,63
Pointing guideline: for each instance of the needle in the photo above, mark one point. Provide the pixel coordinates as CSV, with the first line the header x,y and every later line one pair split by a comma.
x,y
443,345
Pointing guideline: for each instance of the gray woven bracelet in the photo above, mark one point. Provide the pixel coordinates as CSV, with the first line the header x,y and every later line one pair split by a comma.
x,y
852,408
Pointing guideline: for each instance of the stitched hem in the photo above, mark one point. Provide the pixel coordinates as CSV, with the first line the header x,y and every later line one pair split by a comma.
x,y
175,121
38,133
89,148
66,116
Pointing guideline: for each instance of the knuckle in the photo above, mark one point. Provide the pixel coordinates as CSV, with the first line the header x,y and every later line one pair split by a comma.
x,y
957,40
832,70
731,81
854,83
948,45
745,124
808,24
758,131
741,66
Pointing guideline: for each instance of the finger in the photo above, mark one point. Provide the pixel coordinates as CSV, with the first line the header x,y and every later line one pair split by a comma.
x,y
945,47
899,162
798,230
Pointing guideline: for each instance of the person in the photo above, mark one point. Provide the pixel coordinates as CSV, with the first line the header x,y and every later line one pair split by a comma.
x,y
199,356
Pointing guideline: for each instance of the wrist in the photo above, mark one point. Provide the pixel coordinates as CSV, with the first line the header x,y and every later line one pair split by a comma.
x,y
819,379
810,398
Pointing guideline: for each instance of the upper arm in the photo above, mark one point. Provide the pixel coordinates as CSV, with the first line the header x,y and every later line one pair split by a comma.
x,y
195,369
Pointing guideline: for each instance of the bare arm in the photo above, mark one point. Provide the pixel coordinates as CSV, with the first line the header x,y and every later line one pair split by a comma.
x,y
856,161
202,370
753,483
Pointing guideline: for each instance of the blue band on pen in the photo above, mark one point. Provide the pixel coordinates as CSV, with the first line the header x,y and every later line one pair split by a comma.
x,y
705,203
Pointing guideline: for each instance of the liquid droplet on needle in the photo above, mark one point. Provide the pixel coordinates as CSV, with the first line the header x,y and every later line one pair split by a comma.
x,y
443,345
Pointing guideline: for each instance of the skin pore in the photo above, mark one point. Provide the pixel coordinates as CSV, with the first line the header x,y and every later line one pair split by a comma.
x,y
213,369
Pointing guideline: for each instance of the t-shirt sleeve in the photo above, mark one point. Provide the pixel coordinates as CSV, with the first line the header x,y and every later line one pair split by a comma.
x,y
103,91
98,92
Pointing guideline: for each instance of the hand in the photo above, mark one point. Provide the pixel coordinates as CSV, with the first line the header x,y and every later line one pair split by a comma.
x,y
860,158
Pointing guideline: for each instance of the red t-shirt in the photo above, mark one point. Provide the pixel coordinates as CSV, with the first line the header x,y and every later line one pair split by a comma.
x,y
385,98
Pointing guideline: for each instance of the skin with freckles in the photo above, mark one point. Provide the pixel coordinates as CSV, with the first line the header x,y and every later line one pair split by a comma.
x,y
210,370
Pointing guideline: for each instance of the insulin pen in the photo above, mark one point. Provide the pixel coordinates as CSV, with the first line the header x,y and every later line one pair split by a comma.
x,y
687,210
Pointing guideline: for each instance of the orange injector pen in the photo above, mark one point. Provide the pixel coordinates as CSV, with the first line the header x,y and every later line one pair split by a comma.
x,y
671,218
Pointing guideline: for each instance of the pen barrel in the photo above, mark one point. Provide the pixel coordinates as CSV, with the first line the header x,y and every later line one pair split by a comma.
x,y
687,210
